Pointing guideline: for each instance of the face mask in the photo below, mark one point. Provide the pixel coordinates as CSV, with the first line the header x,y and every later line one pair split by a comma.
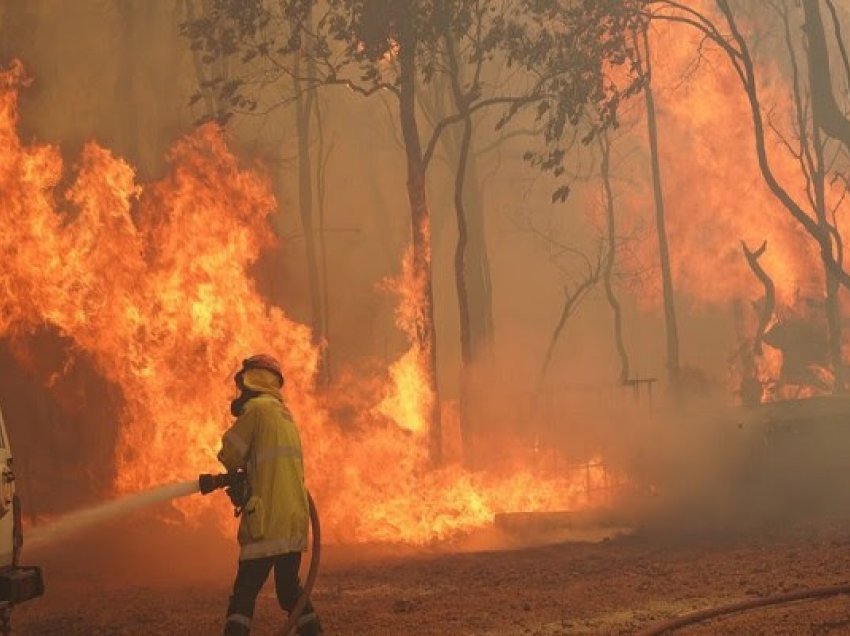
x,y
237,404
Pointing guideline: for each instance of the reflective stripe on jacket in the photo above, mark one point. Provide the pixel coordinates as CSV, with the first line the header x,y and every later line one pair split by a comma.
x,y
265,441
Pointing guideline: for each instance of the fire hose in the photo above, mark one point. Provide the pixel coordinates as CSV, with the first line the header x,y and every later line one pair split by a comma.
x,y
235,483
742,606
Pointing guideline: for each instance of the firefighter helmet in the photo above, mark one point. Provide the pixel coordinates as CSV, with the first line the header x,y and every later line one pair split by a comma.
x,y
260,361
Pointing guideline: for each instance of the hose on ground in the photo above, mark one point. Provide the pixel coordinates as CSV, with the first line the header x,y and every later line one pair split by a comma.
x,y
312,573
742,606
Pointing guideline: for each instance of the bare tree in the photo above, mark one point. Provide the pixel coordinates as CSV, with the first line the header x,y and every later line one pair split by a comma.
x,y
671,329
609,263
574,294
580,269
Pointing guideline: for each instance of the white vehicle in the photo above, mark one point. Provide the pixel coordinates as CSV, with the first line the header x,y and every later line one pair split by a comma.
x,y
17,583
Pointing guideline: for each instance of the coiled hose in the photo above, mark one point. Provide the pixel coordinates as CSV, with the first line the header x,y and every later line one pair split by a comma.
x,y
312,573
742,606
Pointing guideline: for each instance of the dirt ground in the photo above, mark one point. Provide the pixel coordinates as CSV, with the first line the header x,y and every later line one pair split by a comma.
x,y
141,577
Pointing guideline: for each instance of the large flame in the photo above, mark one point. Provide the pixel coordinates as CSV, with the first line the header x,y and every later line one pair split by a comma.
x,y
409,399
150,280
716,196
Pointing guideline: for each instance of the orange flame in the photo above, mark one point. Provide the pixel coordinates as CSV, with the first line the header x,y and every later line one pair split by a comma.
x,y
715,194
150,280
409,399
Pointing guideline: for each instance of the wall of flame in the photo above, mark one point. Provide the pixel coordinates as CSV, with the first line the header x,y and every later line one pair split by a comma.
x,y
151,281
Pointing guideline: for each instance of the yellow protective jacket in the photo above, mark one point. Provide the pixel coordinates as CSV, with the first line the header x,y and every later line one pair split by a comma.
x,y
265,441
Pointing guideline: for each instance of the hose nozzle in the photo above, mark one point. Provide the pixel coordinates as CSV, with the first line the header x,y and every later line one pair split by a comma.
x,y
208,482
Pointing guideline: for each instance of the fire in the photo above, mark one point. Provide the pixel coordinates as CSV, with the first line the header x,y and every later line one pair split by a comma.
x,y
150,281
715,194
409,400
713,187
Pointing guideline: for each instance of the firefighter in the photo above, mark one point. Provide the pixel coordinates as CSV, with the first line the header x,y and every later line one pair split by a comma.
x,y
264,441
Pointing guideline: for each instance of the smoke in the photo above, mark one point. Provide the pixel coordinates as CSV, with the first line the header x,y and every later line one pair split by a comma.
x,y
696,466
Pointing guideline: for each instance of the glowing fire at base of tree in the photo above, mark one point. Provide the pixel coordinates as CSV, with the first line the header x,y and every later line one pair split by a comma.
x,y
150,282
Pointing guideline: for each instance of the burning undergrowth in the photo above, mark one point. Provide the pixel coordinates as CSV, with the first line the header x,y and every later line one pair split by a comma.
x,y
149,283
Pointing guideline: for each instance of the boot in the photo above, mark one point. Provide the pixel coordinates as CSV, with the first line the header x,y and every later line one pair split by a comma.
x,y
309,625
236,629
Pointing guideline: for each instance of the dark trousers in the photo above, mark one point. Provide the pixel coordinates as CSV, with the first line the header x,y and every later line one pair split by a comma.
x,y
251,577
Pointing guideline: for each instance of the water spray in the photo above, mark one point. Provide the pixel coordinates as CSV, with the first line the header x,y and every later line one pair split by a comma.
x,y
234,483
94,515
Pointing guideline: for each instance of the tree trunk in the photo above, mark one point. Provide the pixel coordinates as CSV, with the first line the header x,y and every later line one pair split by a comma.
x,y
610,258
321,191
467,352
303,114
833,322
478,284
825,117
832,305
478,287
671,329
825,109
426,337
